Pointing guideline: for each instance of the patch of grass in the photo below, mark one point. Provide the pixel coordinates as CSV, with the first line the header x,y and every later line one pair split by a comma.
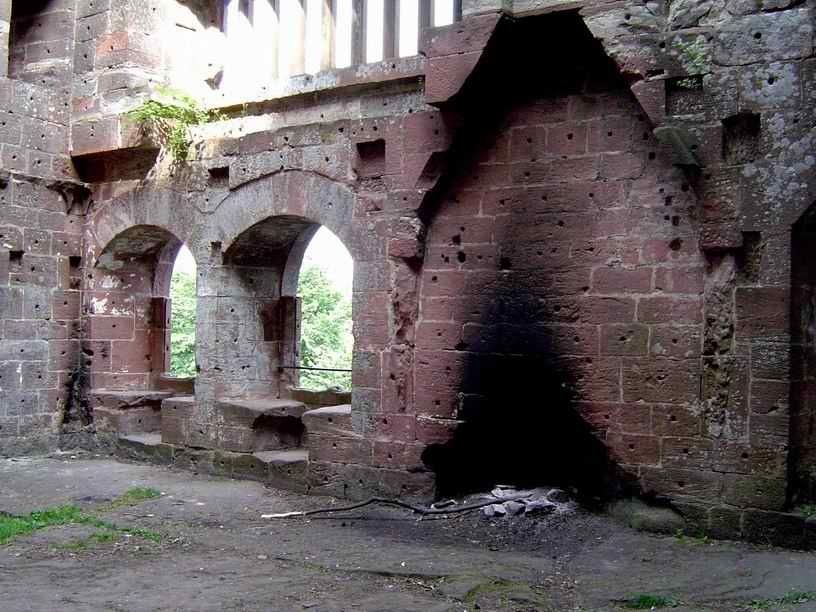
x,y
807,510
791,599
687,538
646,601
131,497
12,526
145,534
101,537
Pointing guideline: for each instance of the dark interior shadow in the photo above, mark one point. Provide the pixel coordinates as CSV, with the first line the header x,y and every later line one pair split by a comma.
x,y
801,464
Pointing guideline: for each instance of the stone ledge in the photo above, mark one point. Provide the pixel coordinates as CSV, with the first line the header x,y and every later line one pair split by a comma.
x,y
288,470
126,400
765,527
329,420
177,385
146,419
106,134
354,77
319,399
246,411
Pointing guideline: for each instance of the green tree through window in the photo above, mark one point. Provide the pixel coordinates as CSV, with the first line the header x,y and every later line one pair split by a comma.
x,y
182,325
325,337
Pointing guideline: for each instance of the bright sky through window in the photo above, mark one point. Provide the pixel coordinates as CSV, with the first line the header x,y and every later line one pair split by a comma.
x,y
264,44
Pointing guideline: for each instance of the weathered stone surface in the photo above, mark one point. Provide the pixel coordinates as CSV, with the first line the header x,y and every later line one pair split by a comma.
x,y
330,420
638,515
128,421
687,13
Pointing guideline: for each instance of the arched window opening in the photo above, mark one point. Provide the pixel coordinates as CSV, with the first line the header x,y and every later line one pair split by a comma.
x,y
324,290
183,315
127,316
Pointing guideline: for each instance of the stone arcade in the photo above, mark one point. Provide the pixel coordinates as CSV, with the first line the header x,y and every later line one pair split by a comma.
x,y
582,233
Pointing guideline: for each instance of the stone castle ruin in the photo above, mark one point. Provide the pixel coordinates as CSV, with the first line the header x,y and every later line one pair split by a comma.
x,y
583,235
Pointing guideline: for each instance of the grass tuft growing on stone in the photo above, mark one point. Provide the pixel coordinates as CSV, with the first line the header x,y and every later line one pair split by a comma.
x,y
646,601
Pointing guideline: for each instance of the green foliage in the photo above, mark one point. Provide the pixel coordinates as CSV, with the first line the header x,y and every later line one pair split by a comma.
x,y
182,324
325,338
170,118
693,55
645,601
807,510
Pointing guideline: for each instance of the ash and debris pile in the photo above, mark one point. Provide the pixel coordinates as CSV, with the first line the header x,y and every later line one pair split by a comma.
x,y
510,501
529,502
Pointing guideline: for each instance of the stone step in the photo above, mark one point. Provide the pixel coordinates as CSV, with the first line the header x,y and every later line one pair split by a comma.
x,y
177,385
329,420
144,447
127,399
176,413
145,439
237,411
259,424
287,469
320,399
284,457
144,419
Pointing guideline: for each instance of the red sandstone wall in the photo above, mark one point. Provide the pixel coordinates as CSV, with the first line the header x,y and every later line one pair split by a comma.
x,y
567,258
40,230
39,312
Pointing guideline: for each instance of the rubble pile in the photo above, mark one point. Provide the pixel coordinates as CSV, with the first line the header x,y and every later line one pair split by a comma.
x,y
528,502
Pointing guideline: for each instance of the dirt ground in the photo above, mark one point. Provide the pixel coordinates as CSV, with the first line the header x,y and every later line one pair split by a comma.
x,y
215,552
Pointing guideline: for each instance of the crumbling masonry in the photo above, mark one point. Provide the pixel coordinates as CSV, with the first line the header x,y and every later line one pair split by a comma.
x,y
583,233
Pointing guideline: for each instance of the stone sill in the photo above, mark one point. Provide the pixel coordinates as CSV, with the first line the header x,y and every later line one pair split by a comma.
x,y
398,69
107,134
530,8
